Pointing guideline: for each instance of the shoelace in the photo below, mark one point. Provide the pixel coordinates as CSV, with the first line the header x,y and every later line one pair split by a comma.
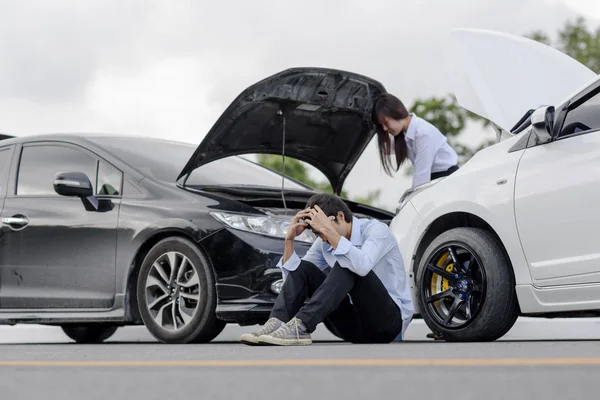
x,y
294,324
267,328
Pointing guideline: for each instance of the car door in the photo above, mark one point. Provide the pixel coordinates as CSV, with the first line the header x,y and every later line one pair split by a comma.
x,y
6,153
55,253
557,198
5,160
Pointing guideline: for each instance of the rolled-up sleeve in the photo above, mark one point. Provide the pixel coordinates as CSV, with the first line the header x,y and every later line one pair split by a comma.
x,y
314,255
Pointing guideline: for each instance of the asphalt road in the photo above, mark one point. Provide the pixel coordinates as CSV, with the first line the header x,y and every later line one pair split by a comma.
x,y
546,359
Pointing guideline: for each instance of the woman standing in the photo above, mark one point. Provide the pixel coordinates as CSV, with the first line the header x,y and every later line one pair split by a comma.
x,y
414,138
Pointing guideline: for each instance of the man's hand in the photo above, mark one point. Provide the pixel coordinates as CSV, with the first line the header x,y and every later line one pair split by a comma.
x,y
319,221
296,229
297,226
324,225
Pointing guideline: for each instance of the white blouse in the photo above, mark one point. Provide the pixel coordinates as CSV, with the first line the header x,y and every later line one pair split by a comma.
x,y
428,150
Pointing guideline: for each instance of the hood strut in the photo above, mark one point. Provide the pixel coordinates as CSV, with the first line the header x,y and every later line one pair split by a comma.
x,y
283,163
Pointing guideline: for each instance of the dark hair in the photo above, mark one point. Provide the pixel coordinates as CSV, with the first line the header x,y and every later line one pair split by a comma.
x,y
330,204
390,106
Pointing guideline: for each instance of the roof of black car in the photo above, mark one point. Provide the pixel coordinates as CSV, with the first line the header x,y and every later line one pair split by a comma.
x,y
78,136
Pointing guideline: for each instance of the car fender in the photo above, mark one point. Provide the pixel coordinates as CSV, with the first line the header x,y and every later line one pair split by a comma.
x,y
145,237
485,189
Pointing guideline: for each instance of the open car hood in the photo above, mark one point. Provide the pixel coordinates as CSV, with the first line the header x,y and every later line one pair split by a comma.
x,y
327,116
501,76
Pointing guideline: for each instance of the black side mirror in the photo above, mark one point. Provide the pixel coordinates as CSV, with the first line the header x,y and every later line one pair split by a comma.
x,y
73,184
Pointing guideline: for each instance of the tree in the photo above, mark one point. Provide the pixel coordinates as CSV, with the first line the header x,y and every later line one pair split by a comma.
x,y
297,170
450,119
574,39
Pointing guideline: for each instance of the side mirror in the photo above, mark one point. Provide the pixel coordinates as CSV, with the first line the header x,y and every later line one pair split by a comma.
x,y
73,184
542,122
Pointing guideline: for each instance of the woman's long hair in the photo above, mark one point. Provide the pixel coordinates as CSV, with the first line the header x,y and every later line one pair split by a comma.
x,y
388,105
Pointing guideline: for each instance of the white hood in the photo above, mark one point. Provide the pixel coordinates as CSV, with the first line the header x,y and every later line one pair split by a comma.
x,y
500,76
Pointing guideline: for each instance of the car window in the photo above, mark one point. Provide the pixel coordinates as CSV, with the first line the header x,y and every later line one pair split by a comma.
x,y
5,157
110,180
40,163
586,117
163,160
237,171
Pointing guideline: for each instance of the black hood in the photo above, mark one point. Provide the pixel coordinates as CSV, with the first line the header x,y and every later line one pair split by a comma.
x,y
327,121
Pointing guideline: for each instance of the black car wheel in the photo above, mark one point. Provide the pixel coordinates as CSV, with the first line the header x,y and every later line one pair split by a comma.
x,y
176,293
89,333
465,287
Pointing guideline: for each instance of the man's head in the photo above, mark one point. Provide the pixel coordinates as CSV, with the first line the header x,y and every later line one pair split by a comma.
x,y
333,206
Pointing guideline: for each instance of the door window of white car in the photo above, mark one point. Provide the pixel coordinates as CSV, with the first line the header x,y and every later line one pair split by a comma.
x,y
583,118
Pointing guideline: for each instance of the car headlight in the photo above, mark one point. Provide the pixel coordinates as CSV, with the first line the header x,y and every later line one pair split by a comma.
x,y
410,193
262,224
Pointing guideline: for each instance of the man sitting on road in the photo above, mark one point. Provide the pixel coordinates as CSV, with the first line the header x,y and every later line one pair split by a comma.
x,y
352,276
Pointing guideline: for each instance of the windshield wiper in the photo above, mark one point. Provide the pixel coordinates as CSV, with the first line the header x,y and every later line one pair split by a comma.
x,y
523,123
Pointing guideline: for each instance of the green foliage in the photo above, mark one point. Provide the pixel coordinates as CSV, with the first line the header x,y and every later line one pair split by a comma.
x,y
574,39
296,170
577,41
450,119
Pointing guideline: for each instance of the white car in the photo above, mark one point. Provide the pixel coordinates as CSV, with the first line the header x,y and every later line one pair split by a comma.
x,y
515,231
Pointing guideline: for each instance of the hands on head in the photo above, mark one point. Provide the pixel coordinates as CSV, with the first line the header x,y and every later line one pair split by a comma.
x,y
313,218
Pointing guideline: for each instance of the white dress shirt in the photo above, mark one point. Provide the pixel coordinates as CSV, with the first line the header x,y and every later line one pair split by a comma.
x,y
428,150
371,247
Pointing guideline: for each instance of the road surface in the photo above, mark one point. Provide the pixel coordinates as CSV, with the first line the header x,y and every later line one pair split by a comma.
x,y
549,359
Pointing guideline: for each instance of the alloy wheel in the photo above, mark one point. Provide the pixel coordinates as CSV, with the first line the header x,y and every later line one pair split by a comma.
x,y
173,291
454,286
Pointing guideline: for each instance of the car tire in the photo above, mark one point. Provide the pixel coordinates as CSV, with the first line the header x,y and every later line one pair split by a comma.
x,y
162,291
212,333
479,290
89,333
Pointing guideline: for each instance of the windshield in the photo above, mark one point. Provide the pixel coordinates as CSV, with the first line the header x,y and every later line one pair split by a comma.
x,y
163,160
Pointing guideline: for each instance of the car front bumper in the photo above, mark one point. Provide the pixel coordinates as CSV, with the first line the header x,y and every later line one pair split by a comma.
x,y
245,268
406,228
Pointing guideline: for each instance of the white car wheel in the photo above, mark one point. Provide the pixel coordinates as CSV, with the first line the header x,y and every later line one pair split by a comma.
x,y
466,291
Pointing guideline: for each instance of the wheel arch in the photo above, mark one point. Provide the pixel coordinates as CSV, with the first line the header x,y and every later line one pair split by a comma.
x,y
131,307
458,219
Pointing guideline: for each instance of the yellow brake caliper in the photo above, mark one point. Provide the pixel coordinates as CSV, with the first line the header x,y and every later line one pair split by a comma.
x,y
445,282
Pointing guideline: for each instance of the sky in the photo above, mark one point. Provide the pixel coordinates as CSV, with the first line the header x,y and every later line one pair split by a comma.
x,y
168,69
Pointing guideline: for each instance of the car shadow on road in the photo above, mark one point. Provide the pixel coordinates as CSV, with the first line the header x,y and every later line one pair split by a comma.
x,y
316,342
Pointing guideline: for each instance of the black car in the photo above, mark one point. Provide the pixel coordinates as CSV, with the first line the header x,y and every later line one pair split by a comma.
x,y
102,231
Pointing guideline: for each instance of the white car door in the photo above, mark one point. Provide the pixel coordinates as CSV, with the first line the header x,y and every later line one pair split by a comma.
x,y
557,199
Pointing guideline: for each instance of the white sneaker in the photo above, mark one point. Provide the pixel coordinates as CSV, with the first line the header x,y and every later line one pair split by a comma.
x,y
293,333
269,327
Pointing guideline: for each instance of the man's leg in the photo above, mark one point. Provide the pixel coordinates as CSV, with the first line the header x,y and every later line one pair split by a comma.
x,y
299,284
379,314
345,323
372,317
330,296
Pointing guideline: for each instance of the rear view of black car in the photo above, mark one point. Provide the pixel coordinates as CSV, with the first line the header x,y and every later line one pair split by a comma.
x,y
102,231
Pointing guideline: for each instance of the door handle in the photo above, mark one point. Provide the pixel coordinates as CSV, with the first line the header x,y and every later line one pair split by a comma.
x,y
17,220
